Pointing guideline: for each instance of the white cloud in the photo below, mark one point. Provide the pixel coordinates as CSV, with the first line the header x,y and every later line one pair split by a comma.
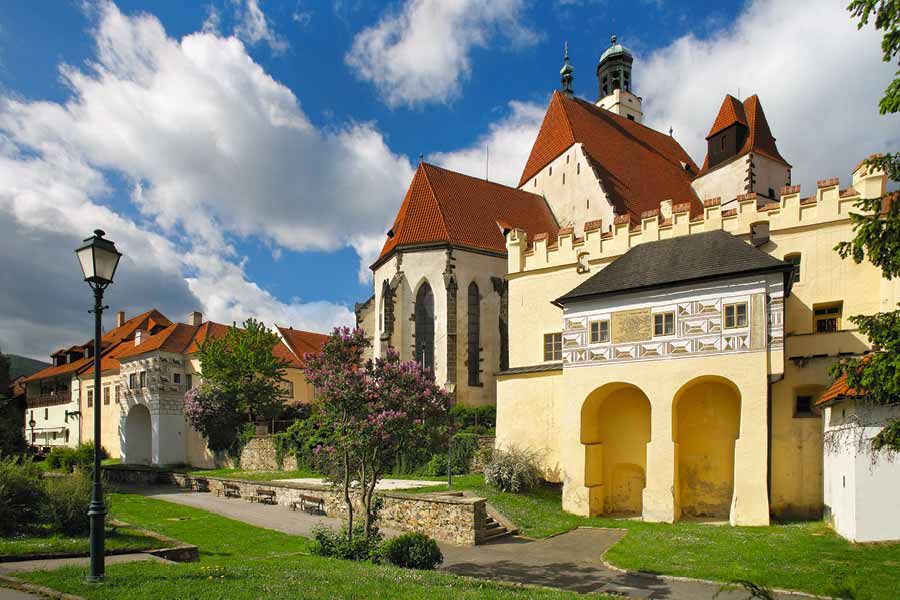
x,y
253,27
818,77
422,53
509,141
215,150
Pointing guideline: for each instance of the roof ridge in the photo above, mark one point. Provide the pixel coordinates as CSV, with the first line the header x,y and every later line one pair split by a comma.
x,y
436,200
480,180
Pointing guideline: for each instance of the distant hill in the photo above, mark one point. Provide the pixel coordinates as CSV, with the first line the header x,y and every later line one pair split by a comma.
x,y
22,365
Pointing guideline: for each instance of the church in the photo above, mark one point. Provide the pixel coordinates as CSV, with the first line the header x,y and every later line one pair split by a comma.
x,y
657,331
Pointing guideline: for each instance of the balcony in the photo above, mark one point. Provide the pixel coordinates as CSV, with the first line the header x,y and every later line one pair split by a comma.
x,y
51,399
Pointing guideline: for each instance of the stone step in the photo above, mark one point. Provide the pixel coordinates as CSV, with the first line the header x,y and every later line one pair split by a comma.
x,y
492,535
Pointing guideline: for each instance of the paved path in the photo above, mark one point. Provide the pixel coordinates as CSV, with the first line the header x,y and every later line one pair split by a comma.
x,y
568,561
10,594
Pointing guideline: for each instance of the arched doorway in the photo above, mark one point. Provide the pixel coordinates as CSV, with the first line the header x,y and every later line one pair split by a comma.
x,y
424,315
615,429
706,421
138,436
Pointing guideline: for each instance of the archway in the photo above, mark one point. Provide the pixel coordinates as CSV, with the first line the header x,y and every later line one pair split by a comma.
x,y
615,429
706,421
424,315
138,436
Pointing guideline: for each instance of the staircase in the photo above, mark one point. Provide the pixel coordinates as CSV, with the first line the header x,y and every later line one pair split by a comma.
x,y
492,530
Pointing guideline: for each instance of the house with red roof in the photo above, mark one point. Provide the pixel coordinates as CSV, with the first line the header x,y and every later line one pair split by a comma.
x,y
147,365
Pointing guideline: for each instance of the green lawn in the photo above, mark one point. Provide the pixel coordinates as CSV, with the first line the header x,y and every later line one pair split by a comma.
x,y
802,556
117,538
239,561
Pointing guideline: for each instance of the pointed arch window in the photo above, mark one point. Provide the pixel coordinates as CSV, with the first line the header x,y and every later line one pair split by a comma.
x,y
424,315
474,330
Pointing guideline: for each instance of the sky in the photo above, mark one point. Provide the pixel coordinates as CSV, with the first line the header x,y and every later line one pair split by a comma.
x,y
248,156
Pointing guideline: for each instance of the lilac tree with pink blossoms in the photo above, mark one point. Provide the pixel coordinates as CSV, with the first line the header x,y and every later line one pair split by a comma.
x,y
372,410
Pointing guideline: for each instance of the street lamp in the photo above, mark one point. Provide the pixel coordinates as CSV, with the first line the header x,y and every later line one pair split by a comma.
x,y
99,259
32,423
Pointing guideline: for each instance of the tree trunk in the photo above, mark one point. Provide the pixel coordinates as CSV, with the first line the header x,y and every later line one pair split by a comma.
x,y
347,500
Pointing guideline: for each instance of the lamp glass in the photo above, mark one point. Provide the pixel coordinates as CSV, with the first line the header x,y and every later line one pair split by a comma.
x,y
98,258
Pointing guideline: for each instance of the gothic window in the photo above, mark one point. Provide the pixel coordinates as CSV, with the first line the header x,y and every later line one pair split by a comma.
x,y
424,316
474,356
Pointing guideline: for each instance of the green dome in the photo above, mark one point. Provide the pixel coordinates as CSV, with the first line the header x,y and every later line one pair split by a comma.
x,y
614,50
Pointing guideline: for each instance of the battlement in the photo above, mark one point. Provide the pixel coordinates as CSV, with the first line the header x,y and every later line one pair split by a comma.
x,y
830,204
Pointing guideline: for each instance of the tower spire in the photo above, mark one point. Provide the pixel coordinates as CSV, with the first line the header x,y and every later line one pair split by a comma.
x,y
565,73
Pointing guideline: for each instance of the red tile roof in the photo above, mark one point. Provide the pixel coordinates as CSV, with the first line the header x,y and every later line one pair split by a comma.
x,y
148,321
174,338
840,390
759,137
445,206
302,342
731,112
639,167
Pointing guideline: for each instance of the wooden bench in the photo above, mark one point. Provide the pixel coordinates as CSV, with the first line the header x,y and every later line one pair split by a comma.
x,y
200,484
310,504
229,490
264,496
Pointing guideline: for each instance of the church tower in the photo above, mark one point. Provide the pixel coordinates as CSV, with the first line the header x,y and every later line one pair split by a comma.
x,y
614,82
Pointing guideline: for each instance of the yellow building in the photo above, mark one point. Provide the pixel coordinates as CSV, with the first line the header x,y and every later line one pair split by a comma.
x,y
667,347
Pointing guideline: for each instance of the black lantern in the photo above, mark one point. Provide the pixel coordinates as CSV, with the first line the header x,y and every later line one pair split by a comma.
x,y
99,258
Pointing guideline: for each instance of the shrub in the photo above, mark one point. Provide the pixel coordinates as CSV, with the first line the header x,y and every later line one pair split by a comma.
x,y
21,495
411,551
474,419
68,499
68,459
335,544
512,470
437,466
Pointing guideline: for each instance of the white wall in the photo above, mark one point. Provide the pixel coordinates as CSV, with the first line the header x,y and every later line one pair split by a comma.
x,y
862,495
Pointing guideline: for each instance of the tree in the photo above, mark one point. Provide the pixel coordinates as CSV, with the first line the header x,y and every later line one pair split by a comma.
x,y
243,381
372,411
11,438
877,238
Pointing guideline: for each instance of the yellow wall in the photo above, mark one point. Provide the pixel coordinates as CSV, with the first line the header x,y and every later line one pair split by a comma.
x,y
615,427
110,414
705,426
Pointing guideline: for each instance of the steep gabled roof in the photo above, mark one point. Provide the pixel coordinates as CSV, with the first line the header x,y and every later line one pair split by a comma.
x,y
302,342
174,338
731,112
709,255
445,206
759,136
639,167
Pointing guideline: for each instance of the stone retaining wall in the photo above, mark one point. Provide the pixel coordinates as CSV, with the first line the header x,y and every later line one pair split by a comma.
x,y
133,474
259,455
458,520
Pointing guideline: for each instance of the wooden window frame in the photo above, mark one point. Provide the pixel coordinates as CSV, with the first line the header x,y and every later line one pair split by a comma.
x,y
662,315
734,306
106,395
797,273
600,338
90,398
837,315
553,346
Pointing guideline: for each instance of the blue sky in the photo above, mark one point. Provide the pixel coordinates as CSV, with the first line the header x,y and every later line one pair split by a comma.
x,y
248,155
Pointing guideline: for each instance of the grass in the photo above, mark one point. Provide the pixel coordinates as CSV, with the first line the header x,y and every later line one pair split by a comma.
x,y
805,556
239,561
117,538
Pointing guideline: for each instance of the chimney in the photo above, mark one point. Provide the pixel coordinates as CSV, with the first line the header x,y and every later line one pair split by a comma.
x,y
195,318
140,336
120,318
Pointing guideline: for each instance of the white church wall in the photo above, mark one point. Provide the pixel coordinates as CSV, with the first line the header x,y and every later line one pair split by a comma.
x,y
573,190
862,494
480,268
769,175
726,182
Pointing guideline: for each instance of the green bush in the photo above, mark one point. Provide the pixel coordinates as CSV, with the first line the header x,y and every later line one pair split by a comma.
x,y
411,551
437,466
21,495
67,502
335,544
512,470
69,459
474,419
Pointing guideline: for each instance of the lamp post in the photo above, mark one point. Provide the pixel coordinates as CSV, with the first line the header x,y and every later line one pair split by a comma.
x,y
32,423
99,259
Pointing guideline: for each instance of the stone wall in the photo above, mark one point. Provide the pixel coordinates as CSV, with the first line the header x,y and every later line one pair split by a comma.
x,y
259,455
453,519
485,442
